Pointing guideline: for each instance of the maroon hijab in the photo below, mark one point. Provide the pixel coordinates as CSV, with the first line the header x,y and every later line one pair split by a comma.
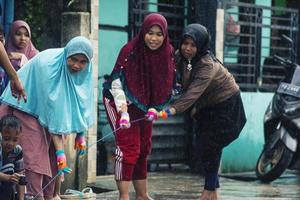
x,y
147,75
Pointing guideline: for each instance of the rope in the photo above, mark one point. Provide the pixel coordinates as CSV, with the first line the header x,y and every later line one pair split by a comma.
x,y
109,134
51,180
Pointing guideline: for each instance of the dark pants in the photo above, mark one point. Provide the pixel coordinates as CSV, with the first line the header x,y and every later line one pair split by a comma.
x,y
218,126
7,191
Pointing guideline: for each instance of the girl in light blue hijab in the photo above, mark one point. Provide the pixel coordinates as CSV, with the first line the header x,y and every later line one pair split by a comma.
x,y
60,98
60,94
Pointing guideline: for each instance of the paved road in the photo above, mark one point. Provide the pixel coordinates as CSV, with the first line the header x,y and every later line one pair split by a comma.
x,y
186,186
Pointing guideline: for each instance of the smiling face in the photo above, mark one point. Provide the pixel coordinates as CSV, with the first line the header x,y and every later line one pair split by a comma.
x,y
77,62
10,138
188,48
21,38
154,38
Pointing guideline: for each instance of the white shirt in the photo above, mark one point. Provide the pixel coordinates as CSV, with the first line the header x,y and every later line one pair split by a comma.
x,y
118,94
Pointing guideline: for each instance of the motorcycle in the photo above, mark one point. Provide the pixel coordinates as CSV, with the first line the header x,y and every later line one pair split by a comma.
x,y
282,125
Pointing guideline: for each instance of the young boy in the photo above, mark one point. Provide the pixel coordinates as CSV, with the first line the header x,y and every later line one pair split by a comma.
x,y
11,159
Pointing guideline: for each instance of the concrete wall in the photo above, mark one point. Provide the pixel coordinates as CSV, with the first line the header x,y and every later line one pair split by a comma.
x,y
110,41
265,32
83,23
92,136
243,153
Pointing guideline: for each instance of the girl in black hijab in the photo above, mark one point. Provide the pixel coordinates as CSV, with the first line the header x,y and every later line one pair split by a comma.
x,y
213,97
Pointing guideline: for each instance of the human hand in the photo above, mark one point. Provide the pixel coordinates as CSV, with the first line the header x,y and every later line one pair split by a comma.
x,y
177,89
165,113
14,178
15,56
123,108
62,162
17,88
151,114
22,179
124,120
80,144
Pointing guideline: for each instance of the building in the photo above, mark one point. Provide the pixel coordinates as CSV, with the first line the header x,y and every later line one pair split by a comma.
x,y
244,36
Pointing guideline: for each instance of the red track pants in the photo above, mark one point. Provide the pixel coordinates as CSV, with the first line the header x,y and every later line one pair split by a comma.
x,y
133,145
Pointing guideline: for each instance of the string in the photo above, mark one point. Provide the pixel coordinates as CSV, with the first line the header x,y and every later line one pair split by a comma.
x,y
51,180
109,134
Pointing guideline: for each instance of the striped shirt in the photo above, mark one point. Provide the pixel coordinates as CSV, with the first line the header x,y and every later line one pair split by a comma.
x,y
13,162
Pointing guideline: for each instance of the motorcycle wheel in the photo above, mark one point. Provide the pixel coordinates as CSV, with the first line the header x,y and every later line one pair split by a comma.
x,y
270,167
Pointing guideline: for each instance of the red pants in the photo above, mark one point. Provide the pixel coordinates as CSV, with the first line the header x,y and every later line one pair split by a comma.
x,y
133,145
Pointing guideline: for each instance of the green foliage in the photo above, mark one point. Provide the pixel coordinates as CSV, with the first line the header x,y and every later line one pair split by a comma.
x,y
31,11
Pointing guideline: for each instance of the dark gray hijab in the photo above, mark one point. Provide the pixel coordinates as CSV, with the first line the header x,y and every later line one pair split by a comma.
x,y
200,36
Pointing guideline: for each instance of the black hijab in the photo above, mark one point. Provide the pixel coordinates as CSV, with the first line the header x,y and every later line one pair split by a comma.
x,y
200,36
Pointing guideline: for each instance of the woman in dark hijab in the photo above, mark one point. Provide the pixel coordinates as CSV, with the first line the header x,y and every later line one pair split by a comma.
x,y
213,96
141,79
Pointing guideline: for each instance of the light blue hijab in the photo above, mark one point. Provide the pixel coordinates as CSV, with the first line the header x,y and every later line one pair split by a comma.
x,y
62,101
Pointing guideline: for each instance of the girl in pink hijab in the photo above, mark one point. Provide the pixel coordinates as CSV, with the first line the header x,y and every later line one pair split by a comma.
x,y
18,45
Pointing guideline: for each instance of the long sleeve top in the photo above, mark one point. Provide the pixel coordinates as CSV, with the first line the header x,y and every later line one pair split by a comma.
x,y
208,83
118,93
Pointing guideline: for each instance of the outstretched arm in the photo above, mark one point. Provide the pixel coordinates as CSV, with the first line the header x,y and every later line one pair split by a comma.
x,y
60,154
14,178
17,88
121,103
18,56
57,141
80,144
21,191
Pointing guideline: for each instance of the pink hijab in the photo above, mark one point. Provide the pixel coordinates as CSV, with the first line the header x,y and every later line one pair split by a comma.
x,y
29,51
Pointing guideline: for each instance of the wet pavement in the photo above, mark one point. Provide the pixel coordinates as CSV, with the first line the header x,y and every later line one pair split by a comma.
x,y
181,185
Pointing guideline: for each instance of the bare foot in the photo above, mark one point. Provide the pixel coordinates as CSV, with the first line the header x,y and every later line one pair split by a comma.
x,y
209,195
56,198
144,198
149,198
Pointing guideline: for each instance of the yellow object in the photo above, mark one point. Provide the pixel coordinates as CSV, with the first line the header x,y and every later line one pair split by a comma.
x,y
152,110
61,165
163,114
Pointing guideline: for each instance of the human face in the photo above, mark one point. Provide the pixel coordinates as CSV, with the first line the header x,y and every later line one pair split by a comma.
x,y
10,137
188,48
77,62
21,38
154,38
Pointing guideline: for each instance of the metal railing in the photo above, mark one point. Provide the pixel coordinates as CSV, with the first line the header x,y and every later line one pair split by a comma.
x,y
174,11
251,36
